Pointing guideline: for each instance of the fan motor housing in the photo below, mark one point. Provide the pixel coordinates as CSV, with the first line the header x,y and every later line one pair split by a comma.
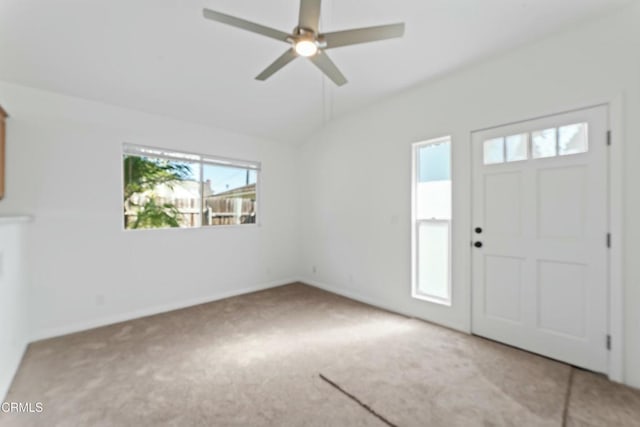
x,y
301,33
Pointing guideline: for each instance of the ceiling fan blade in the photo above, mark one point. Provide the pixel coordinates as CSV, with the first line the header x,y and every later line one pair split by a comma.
x,y
283,60
363,35
245,25
309,14
327,66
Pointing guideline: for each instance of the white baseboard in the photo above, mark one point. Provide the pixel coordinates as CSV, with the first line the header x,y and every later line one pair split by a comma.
x,y
9,371
352,295
375,303
150,311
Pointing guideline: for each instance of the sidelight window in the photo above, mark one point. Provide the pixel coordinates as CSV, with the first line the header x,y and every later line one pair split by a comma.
x,y
431,239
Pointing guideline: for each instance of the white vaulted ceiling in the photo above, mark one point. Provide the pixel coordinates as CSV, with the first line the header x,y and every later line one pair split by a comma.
x,y
163,57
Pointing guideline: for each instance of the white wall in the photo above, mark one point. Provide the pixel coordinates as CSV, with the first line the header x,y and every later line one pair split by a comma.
x,y
356,187
14,333
64,167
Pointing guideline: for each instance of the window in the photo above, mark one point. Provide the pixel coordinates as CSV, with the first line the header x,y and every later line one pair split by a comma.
x,y
544,143
508,149
164,189
431,240
552,142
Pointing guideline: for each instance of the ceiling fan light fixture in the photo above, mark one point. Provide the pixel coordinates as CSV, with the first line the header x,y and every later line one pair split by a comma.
x,y
306,47
306,41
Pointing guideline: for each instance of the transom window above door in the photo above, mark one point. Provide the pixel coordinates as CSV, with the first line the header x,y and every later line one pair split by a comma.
x,y
538,144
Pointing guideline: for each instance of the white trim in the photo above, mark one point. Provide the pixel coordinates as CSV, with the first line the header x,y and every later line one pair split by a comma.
x,y
616,228
357,297
199,227
15,219
150,311
186,156
259,177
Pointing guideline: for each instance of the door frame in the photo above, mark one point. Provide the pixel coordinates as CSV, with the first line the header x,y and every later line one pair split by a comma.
x,y
615,190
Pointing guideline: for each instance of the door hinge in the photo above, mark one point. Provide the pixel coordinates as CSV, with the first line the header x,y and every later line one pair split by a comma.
x,y
608,137
609,240
608,342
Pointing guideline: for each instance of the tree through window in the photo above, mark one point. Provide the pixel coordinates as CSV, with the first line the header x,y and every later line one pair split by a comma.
x,y
164,189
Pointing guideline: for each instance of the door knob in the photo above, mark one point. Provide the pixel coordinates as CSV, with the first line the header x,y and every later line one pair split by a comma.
x,y
478,244
478,230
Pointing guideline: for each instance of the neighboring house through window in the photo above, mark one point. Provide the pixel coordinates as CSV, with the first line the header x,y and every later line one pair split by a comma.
x,y
166,188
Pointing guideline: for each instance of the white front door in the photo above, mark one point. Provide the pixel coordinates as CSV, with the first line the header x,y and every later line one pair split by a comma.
x,y
540,237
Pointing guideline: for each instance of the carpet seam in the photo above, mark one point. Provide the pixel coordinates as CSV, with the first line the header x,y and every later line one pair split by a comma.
x,y
565,413
358,401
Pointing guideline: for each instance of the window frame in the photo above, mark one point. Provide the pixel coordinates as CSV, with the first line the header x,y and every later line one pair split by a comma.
x,y
203,159
415,224
530,142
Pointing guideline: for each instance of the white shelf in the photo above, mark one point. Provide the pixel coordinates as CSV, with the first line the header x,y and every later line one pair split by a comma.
x,y
14,219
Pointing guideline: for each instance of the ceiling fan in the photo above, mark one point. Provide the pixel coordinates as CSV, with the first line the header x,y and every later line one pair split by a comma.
x,y
306,41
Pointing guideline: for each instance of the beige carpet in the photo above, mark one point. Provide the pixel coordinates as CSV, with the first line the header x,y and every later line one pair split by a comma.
x,y
256,360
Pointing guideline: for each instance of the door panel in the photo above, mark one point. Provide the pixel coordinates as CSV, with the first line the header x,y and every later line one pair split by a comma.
x,y
503,279
539,197
502,210
561,202
562,298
